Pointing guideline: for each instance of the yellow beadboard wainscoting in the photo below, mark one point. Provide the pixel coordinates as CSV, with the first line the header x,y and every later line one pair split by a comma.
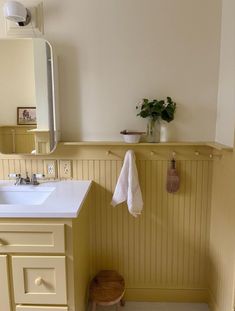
x,y
222,237
17,139
164,253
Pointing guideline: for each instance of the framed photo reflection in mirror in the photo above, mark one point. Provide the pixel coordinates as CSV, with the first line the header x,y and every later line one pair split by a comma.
x,y
26,116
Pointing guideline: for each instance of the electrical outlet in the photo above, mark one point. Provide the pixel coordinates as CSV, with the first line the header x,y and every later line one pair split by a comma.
x,y
50,168
65,169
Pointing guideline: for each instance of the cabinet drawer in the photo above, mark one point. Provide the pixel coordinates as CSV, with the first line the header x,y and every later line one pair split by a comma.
x,y
33,238
39,279
37,308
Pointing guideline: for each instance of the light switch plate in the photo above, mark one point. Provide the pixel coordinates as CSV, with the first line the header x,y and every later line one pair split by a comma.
x,y
65,169
50,169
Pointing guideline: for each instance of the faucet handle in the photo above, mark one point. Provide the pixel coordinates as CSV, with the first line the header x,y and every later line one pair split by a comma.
x,y
39,176
14,175
27,179
35,178
17,177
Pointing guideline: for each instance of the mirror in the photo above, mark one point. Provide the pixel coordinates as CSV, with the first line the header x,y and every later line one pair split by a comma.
x,y
27,97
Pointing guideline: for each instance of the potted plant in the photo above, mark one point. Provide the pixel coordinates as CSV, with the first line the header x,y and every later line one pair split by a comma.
x,y
156,110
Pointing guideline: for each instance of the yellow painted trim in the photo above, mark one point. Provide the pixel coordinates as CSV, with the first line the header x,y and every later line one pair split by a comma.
x,y
39,130
221,245
40,308
167,295
213,145
219,146
211,302
5,303
17,126
117,152
121,143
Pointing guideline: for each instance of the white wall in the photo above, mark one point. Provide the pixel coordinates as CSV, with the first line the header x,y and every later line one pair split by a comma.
x,y
226,94
112,53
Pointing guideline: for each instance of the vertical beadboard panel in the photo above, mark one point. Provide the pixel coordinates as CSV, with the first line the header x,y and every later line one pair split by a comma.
x,y
222,238
167,246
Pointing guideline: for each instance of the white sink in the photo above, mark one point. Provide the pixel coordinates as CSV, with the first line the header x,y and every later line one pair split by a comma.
x,y
27,195
52,199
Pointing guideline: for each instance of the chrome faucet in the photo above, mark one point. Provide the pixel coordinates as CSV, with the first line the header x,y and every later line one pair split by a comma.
x,y
19,180
35,177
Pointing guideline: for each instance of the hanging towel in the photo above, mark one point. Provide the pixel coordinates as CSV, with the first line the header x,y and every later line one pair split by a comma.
x,y
128,188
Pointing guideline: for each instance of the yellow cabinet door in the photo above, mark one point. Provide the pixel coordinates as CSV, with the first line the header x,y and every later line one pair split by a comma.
x,y
4,285
39,280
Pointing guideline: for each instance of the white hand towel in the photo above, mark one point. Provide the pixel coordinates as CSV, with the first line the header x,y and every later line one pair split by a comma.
x,y
128,188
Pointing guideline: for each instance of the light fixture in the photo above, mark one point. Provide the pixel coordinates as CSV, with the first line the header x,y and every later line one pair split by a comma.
x,y
16,12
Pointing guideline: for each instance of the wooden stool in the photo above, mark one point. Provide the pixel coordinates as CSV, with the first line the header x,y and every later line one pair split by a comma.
x,y
107,288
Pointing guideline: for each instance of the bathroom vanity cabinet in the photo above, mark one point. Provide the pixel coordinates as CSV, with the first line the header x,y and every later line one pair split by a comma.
x,y
44,263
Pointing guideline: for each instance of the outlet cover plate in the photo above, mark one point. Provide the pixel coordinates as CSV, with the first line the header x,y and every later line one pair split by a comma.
x,y
65,169
50,169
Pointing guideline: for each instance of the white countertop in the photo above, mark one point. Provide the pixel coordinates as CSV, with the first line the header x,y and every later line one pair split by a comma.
x,y
65,201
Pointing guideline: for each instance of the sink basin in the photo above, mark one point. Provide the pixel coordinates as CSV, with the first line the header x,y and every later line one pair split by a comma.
x,y
27,195
51,199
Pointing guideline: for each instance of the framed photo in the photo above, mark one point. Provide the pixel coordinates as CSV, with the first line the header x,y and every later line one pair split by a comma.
x,y
26,116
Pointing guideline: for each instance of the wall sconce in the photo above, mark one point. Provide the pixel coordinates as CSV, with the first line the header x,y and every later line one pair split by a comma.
x,y
16,12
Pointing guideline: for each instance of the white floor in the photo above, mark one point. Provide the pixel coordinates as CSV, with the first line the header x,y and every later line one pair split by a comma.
x,y
156,306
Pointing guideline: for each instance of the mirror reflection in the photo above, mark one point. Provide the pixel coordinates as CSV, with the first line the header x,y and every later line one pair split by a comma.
x,y
27,102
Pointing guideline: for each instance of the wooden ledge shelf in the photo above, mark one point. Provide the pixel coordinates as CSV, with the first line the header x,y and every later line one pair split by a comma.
x,y
18,126
213,145
219,146
39,130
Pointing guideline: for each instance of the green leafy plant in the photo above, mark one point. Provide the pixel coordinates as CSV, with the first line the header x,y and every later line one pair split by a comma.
x,y
157,109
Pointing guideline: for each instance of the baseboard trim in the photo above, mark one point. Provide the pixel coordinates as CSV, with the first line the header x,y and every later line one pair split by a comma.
x,y
211,301
167,295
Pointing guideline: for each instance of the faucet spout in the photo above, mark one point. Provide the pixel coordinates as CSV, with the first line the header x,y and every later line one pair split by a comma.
x,y
18,180
34,180
26,181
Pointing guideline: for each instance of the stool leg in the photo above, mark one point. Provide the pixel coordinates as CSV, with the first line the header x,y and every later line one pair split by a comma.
x,y
93,308
122,302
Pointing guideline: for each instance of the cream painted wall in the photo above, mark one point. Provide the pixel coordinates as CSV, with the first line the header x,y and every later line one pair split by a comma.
x,y
112,53
226,94
16,79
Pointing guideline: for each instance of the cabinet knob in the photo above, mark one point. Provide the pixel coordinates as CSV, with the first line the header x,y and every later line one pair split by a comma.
x,y
38,281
